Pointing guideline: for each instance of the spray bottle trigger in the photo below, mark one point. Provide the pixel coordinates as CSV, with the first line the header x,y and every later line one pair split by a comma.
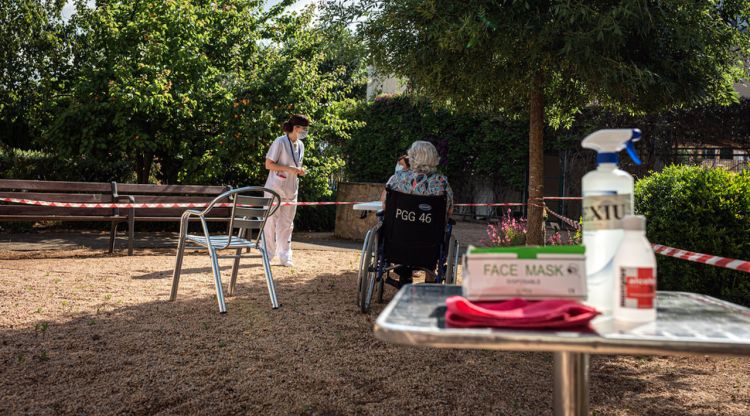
x,y
630,147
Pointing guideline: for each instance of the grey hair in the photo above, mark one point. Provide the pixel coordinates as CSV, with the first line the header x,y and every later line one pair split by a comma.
x,y
423,157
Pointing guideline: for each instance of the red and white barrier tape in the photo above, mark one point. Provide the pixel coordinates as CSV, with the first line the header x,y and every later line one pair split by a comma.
x,y
202,204
734,264
570,222
562,198
146,205
492,204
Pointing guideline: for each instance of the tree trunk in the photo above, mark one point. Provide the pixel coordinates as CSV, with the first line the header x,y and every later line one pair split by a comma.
x,y
535,233
143,162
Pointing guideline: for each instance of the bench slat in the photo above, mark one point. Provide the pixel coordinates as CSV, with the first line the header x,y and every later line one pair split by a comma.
x,y
176,212
55,186
137,188
57,197
107,218
170,198
174,219
31,210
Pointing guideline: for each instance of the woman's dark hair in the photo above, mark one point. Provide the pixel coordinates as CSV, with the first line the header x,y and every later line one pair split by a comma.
x,y
295,120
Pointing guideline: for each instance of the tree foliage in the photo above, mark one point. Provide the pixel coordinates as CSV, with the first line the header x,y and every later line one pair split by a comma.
x,y
176,90
30,53
194,91
549,58
471,146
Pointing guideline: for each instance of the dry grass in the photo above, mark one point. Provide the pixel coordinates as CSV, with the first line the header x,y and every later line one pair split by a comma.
x,y
86,333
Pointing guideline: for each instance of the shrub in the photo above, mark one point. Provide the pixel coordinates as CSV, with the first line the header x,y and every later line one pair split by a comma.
x,y
35,164
702,210
469,145
509,232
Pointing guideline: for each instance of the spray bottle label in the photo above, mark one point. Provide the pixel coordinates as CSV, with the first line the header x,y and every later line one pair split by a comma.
x,y
637,287
605,212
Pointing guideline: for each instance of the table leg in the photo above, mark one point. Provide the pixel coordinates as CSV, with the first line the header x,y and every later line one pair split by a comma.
x,y
571,375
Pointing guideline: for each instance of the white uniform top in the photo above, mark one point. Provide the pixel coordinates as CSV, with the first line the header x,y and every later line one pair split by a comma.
x,y
285,153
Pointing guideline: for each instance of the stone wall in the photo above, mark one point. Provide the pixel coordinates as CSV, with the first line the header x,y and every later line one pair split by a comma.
x,y
349,224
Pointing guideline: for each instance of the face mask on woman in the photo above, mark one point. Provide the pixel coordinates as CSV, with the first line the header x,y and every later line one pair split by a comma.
x,y
301,134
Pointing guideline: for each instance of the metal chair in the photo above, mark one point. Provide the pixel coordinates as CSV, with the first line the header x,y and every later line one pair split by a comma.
x,y
250,207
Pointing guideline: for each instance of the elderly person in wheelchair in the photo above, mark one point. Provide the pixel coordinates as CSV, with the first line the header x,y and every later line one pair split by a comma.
x,y
415,229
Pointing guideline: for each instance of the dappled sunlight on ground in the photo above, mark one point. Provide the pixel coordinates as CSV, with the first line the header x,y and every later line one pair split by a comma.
x,y
88,333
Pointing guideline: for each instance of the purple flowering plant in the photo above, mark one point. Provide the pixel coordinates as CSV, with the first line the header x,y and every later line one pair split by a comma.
x,y
511,231
508,232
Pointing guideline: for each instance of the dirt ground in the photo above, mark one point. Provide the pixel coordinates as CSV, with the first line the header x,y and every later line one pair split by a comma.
x,y
87,333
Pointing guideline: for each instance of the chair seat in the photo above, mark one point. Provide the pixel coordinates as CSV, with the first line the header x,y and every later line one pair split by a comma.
x,y
220,241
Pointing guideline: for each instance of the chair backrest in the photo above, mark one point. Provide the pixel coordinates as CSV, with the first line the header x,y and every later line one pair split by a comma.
x,y
413,228
251,207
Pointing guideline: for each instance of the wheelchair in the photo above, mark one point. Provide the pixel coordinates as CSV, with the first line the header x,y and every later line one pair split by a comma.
x,y
413,231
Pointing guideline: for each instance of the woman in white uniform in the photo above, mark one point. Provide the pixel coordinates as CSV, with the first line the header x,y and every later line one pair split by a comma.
x,y
284,163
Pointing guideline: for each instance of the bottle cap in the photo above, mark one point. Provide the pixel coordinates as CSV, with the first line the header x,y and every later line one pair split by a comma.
x,y
634,222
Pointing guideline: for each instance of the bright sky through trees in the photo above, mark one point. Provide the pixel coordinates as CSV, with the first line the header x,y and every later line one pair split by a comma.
x,y
70,8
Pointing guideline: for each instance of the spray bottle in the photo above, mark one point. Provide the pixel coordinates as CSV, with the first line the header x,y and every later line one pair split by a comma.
x,y
607,198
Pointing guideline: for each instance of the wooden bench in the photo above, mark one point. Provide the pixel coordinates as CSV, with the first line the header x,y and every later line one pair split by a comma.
x,y
71,192
90,192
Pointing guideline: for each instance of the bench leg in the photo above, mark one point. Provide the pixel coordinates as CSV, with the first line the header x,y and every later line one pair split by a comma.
x,y
235,269
131,234
112,234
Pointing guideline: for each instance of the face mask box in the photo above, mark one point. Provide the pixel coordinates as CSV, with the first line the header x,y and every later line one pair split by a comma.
x,y
495,273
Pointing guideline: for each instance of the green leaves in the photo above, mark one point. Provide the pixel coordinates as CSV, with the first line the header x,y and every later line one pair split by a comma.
x,y
30,53
470,145
701,210
628,54
195,91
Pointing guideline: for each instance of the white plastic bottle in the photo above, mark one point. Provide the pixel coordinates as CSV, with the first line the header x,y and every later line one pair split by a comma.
x,y
635,263
607,198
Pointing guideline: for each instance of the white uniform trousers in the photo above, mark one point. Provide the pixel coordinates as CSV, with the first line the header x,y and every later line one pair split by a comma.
x,y
278,232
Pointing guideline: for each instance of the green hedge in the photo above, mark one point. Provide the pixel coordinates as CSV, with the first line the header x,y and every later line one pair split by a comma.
x,y
34,164
469,144
702,210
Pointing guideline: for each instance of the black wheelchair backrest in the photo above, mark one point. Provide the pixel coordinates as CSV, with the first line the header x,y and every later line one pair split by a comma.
x,y
414,228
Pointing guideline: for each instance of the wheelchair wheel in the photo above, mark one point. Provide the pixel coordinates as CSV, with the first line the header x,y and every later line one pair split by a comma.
x,y
369,273
362,266
451,261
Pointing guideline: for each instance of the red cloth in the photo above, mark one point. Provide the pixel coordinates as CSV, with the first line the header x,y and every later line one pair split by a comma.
x,y
518,313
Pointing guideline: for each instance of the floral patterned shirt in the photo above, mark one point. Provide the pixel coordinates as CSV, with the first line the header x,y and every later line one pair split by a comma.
x,y
411,182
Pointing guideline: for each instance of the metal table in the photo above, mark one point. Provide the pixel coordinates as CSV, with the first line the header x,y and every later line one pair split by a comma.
x,y
687,323
368,206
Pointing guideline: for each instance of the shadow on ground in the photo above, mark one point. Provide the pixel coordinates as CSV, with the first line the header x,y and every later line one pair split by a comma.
x,y
316,355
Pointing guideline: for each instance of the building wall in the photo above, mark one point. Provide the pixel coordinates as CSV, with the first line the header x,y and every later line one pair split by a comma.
x,y
379,84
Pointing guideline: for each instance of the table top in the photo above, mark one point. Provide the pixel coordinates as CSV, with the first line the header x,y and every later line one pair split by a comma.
x,y
368,206
687,323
